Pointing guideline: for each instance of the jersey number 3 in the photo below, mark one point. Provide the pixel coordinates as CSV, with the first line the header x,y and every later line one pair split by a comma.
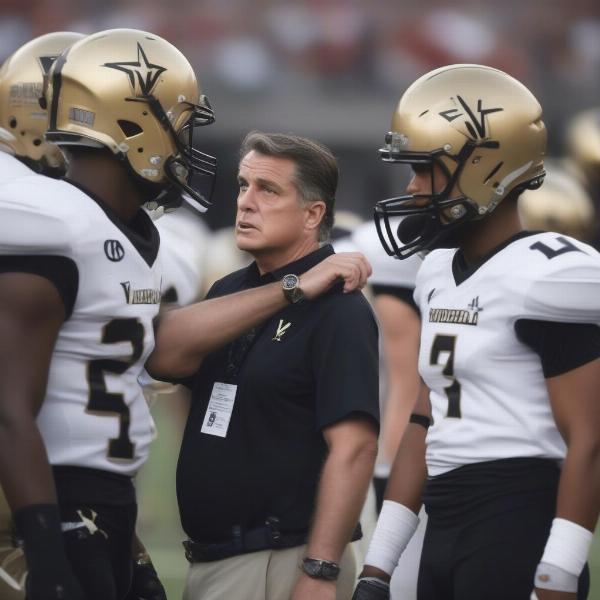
x,y
444,344
102,401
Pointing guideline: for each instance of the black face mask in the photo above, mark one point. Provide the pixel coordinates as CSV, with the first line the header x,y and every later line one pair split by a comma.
x,y
425,227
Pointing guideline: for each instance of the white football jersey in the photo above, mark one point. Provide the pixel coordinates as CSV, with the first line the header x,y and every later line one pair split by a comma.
x,y
94,414
488,392
386,269
12,168
184,242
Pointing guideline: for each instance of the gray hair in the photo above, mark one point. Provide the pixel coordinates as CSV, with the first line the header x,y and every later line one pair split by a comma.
x,y
316,174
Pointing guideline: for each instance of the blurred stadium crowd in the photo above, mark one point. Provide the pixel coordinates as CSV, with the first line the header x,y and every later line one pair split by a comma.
x,y
269,64
264,45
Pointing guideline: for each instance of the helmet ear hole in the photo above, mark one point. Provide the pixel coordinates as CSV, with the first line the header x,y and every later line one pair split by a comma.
x,y
129,128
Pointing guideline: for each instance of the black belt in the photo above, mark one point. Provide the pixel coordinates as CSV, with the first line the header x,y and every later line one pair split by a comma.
x,y
267,537
262,538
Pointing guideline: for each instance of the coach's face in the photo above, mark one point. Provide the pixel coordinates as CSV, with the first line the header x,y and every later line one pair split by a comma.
x,y
272,220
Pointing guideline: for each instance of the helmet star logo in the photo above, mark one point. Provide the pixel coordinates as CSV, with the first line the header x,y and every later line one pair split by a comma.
x,y
143,75
46,62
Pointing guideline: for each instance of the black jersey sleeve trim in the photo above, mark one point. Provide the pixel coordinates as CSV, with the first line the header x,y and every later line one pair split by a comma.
x,y
60,270
561,347
404,294
421,420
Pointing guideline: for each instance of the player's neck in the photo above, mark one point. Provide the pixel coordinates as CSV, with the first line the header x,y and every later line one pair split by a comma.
x,y
491,232
105,177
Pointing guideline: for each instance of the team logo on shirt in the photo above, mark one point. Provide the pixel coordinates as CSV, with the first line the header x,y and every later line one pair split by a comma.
x,y
141,296
114,250
281,329
456,315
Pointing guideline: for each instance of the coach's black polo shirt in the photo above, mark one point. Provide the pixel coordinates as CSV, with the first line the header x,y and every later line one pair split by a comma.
x,y
320,370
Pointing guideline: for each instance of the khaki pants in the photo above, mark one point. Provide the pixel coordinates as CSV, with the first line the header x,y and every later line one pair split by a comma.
x,y
265,575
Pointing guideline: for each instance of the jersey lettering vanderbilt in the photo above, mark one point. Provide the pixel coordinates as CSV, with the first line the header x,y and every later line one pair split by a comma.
x,y
488,392
94,414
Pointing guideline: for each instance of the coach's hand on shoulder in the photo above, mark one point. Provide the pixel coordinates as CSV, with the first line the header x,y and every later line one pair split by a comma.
x,y
145,584
350,267
371,588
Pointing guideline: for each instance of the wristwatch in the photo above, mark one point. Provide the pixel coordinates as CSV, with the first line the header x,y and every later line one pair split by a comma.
x,y
320,569
290,285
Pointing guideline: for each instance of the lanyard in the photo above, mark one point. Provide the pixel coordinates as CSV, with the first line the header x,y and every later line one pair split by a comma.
x,y
238,351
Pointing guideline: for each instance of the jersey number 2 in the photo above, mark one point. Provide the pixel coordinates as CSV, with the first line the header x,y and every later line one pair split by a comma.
x,y
446,343
102,401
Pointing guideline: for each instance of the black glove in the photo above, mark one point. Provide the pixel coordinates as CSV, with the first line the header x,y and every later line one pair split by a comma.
x,y
59,584
50,576
145,584
370,588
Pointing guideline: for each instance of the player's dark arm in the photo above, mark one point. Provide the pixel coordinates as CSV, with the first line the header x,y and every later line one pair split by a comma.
x,y
184,336
574,400
343,486
405,486
31,314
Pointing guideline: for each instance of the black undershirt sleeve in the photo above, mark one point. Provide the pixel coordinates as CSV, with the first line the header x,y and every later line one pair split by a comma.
x,y
403,294
60,270
561,347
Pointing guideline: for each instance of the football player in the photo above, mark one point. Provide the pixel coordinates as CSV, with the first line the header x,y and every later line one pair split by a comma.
x,y
502,447
392,284
23,150
80,285
582,142
22,120
546,210
582,139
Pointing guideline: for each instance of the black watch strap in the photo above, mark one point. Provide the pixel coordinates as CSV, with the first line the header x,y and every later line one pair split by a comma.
x,y
290,284
320,569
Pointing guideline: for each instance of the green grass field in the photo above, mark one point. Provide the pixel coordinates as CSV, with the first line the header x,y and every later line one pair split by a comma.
x,y
159,526
595,568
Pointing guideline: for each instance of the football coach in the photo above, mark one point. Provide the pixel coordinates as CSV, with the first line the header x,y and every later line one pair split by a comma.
x,y
281,439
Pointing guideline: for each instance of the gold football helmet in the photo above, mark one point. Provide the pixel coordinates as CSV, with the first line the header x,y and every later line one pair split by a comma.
x,y
137,95
483,129
562,205
22,121
583,144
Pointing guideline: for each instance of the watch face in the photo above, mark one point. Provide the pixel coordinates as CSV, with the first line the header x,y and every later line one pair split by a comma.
x,y
289,282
